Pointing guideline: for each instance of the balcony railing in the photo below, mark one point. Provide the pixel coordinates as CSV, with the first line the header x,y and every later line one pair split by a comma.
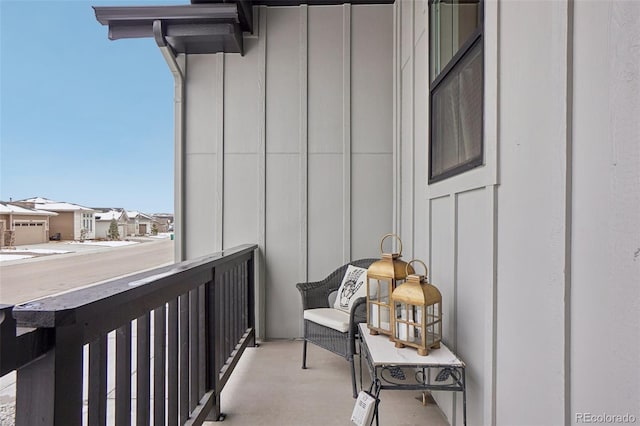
x,y
185,324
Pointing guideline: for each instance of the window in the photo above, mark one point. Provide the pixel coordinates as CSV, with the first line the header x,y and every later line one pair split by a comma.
x,y
456,76
87,221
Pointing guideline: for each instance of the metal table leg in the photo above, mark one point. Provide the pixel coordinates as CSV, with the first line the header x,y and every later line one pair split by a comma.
x,y
374,390
464,398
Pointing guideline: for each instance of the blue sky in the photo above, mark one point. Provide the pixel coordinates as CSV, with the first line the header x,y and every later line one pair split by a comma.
x,y
82,119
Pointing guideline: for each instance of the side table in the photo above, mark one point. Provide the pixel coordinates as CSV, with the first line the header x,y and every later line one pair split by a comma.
x,y
403,369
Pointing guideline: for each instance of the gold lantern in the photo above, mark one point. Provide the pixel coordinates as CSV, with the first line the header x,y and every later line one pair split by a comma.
x,y
417,313
383,276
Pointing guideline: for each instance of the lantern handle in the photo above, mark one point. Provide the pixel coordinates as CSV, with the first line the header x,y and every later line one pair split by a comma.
x,y
426,270
391,235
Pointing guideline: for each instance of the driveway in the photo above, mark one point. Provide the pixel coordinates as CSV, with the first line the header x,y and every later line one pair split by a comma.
x,y
83,264
29,251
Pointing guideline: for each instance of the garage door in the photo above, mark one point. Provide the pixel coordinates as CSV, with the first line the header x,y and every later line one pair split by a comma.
x,y
30,233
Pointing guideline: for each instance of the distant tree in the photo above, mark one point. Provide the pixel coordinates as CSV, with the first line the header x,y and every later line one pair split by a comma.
x,y
113,233
154,229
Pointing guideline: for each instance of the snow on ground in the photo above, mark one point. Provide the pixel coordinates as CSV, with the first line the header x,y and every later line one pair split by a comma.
x,y
105,243
4,256
26,253
161,235
36,251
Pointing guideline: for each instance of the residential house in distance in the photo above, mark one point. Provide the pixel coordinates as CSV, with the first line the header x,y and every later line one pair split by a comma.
x,y
104,216
21,225
70,221
139,223
164,221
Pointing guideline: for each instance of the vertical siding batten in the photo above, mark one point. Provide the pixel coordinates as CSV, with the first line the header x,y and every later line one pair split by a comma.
x,y
407,136
397,118
262,177
412,140
568,412
428,208
304,142
420,129
346,132
491,90
454,273
489,397
219,141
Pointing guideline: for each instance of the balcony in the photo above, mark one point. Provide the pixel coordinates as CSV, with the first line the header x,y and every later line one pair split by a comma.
x,y
90,356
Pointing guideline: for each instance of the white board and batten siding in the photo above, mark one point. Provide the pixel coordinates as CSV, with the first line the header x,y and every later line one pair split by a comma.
x,y
537,253
290,146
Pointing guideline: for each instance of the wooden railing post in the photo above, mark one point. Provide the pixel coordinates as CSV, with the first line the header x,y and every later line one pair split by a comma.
x,y
251,294
213,316
123,375
98,352
7,340
49,390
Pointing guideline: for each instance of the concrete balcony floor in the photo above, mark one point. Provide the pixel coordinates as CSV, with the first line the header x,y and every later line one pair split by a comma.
x,y
269,388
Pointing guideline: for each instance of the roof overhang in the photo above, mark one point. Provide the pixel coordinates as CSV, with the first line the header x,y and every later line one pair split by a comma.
x,y
298,2
196,28
205,26
307,2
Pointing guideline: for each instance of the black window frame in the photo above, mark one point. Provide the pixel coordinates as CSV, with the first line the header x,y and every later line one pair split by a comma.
x,y
476,37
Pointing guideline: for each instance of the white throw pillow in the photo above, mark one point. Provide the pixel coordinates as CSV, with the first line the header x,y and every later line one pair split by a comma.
x,y
353,286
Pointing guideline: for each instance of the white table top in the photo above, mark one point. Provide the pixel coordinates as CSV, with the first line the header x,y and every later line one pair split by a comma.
x,y
384,352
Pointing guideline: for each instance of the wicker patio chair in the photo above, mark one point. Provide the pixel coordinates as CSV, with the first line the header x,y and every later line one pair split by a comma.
x,y
316,295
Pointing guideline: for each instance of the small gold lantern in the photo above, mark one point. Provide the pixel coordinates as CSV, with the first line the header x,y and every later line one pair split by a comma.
x,y
417,313
383,276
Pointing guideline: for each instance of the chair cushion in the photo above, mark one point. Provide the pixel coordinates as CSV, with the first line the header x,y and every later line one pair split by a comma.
x,y
352,287
336,319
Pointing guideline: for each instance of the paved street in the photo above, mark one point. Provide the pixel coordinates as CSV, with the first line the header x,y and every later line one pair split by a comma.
x,y
21,281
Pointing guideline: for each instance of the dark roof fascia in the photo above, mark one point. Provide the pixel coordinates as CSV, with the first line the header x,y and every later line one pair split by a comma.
x,y
107,15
